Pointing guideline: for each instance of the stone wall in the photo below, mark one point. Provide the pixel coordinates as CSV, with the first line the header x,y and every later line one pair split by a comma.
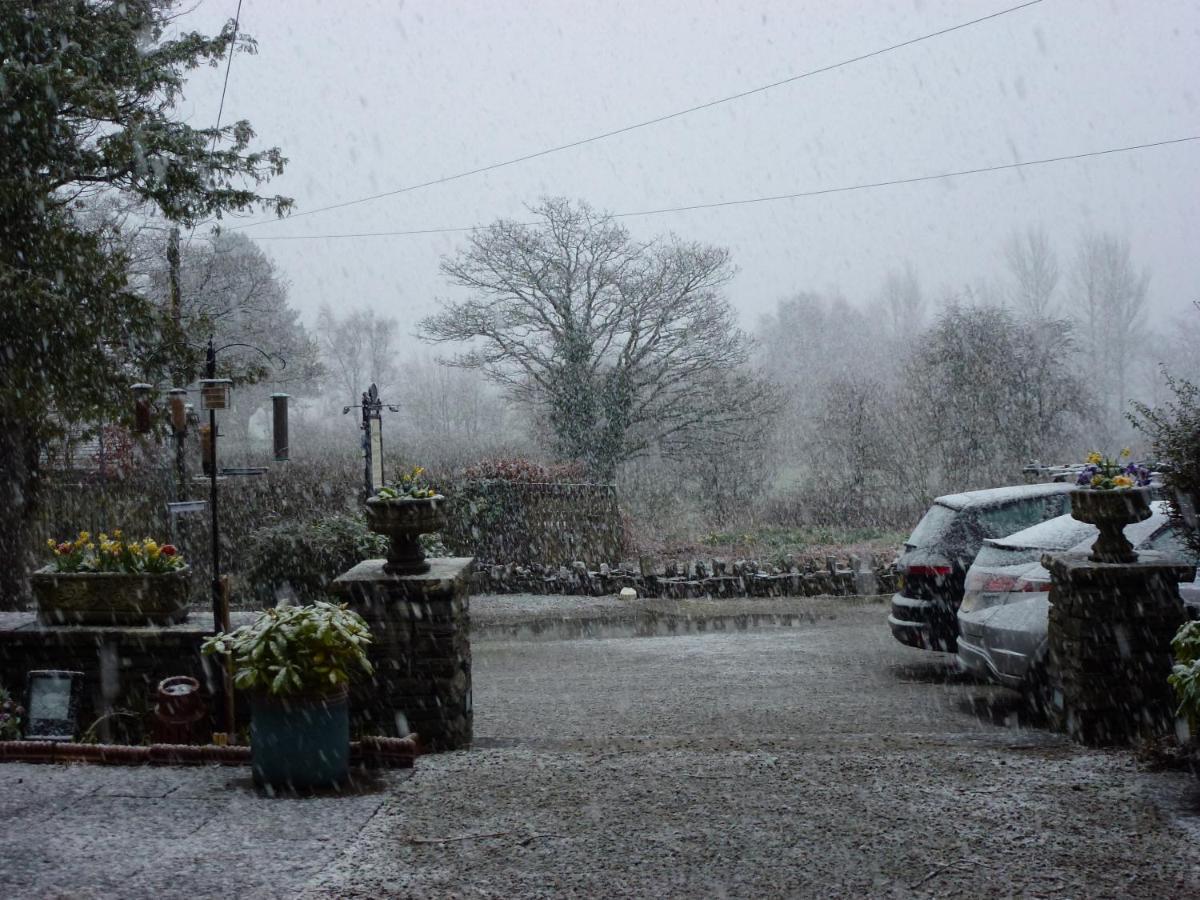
x,y
122,666
697,578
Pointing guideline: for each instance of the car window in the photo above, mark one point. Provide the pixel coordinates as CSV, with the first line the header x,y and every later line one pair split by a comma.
x,y
1170,542
1003,520
933,526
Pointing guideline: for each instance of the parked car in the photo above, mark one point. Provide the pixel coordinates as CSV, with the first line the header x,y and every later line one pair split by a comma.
x,y
1005,611
933,567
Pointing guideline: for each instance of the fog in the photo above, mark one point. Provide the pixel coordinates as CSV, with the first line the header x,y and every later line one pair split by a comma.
x,y
371,97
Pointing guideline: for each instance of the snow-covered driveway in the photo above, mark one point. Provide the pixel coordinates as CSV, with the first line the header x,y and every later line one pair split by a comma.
x,y
817,759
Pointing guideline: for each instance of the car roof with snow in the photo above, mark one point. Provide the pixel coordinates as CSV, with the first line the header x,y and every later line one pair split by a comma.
x,y
1065,532
999,496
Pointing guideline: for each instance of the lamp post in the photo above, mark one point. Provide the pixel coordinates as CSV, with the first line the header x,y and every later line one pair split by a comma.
x,y
372,438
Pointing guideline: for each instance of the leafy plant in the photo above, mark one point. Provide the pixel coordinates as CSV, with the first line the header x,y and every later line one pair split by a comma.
x,y
307,556
1174,429
11,714
1185,674
294,650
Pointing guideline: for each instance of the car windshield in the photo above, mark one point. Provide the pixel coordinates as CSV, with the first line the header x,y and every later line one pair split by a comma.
x,y
933,526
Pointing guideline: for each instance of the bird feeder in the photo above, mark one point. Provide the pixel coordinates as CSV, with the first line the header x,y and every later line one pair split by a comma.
x,y
177,402
214,393
279,421
141,407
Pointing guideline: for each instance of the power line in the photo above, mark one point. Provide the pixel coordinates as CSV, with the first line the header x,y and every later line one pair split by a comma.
x,y
818,192
237,18
655,121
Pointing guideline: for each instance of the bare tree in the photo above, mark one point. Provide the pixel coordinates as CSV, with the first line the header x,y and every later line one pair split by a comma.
x,y
623,345
992,392
1110,300
230,290
1033,269
903,302
359,349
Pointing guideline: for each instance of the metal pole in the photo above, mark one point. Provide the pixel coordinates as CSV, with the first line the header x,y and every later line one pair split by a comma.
x,y
219,596
210,369
366,445
218,624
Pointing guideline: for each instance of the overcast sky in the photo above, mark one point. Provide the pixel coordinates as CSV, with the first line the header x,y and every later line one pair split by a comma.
x,y
367,96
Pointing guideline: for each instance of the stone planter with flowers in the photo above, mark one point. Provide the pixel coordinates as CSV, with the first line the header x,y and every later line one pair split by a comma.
x,y
403,512
1110,494
111,581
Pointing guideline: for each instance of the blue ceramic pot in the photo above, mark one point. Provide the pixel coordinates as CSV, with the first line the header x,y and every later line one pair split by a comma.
x,y
300,742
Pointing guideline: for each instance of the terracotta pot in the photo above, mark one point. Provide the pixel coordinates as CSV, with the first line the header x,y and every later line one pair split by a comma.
x,y
180,712
111,598
1111,511
403,520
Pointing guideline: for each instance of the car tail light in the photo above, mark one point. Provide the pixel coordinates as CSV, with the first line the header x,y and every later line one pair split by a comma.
x,y
1004,584
928,571
999,584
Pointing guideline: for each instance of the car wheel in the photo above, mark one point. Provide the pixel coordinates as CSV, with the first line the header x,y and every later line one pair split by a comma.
x,y
1040,691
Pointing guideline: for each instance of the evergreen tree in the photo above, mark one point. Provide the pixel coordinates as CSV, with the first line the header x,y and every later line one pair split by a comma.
x,y
87,109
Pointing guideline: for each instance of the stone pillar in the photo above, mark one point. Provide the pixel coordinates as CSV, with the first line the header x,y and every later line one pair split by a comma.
x,y
1110,634
421,651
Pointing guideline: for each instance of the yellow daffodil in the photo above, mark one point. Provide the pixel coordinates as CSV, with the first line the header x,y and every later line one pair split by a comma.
x,y
51,543
1126,453
1123,481
1094,458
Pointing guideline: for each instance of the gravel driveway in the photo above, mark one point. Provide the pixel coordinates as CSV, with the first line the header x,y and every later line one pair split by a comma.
x,y
817,759
822,759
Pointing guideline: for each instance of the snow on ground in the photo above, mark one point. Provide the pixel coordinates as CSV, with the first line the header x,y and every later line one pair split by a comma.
x,y
821,758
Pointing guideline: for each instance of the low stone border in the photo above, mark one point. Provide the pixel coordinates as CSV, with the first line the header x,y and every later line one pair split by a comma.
x,y
697,579
370,753
499,618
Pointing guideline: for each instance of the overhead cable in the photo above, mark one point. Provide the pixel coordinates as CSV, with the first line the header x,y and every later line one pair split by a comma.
x,y
816,192
655,121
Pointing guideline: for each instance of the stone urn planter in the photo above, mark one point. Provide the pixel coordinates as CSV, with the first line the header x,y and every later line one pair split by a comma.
x,y
111,598
403,520
1111,511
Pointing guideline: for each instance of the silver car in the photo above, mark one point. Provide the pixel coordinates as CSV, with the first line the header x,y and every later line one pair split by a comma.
x,y
1003,619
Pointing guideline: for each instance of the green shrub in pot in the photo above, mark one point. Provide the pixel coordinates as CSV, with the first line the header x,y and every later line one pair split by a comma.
x,y
296,662
1185,674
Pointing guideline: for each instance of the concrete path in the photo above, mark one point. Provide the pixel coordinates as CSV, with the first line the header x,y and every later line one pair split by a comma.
x,y
814,759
